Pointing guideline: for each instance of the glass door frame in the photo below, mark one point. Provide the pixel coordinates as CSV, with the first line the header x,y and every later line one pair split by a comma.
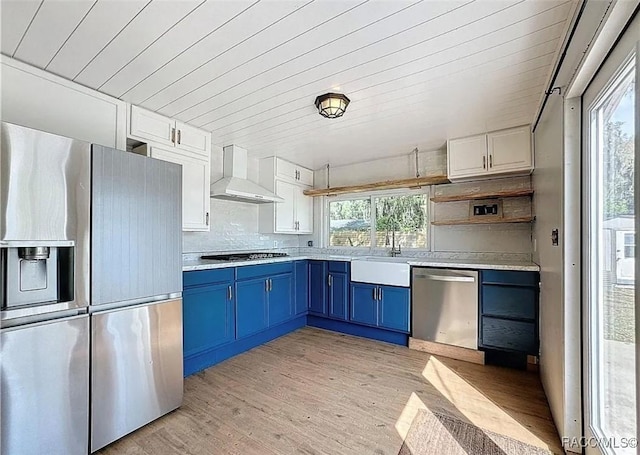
x,y
606,77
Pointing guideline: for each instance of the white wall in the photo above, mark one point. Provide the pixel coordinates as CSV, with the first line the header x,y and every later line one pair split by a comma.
x,y
548,184
498,238
234,225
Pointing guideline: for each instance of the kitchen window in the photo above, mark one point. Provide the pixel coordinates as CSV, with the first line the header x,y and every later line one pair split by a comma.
x,y
375,220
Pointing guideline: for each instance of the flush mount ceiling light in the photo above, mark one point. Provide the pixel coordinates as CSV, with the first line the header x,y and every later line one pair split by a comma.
x,y
332,105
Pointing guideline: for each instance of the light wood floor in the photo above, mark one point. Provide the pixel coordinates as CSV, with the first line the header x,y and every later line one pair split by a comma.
x,y
319,392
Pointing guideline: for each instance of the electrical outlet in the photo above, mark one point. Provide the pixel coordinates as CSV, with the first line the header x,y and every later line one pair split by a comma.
x,y
275,244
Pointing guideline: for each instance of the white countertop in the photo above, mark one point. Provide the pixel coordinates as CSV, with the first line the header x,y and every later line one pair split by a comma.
x,y
198,264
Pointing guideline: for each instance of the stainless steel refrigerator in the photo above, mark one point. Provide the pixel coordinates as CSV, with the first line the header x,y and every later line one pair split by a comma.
x,y
90,292
136,289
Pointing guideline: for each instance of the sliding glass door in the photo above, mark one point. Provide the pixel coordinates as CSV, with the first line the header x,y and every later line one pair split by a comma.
x,y
609,241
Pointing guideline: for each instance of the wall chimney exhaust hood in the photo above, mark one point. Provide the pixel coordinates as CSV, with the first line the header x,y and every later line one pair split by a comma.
x,y
234,186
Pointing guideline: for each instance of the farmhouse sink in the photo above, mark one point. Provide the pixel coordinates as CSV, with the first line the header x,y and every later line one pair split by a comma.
x,y
384,258
381,270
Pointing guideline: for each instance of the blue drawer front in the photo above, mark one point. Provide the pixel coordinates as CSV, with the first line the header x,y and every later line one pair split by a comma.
x,y
509,301
200,277
511,335
510,277
339,266
256,271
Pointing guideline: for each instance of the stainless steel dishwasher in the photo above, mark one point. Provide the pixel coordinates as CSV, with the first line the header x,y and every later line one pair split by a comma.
x,y
445,306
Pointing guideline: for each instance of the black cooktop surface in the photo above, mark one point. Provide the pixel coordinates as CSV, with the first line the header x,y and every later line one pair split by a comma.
x,y
242,256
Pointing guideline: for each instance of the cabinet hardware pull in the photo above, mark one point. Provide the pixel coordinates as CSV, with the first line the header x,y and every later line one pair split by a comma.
x,y
173,135
270,284
375,294
490,160
207,218
379,293
230,293
179,134
484,162
329,280
266,285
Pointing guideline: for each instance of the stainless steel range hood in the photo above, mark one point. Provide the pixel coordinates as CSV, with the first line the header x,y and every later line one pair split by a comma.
x,y
234,185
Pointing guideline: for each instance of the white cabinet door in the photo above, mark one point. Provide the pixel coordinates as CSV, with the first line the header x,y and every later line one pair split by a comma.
x,y
195,186
467,157
285,212
193,139
286,170
150,126
304,212
510,150
305,176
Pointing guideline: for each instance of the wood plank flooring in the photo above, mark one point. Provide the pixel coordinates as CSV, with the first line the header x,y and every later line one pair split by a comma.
x,y
319,392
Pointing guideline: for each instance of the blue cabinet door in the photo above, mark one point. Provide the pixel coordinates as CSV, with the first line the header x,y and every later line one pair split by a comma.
x,y
318,287
338,296
208,318
301,287
364,307
280,297
394,308
251,307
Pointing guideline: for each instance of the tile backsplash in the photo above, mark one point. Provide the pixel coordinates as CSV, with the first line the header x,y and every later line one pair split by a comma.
x,y
234,226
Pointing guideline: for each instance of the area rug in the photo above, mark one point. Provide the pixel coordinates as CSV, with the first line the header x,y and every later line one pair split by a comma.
x,y
432,433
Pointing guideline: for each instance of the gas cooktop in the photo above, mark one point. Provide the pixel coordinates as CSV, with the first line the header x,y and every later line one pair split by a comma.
x,y
242,256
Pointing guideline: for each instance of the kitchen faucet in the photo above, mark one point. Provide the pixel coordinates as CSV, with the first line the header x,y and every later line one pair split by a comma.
x,y
395,252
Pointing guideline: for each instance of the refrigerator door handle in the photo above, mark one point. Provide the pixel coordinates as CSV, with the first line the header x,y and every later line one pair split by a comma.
x,y
117,306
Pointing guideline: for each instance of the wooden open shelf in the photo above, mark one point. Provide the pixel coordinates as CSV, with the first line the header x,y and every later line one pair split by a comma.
x,y
386,185
480,220
487,195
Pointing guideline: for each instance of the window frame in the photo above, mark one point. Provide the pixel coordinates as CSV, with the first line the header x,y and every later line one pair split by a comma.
x,y
371,195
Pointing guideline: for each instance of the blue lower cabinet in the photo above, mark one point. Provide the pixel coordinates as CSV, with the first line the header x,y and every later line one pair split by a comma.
x,y
301,280
251,307
318,287
387,307
280,298
364,305
208,317
338,293
394,307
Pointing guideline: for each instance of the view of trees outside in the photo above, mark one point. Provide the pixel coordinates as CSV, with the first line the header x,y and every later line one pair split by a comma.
x,y
351,224
619,155
404,215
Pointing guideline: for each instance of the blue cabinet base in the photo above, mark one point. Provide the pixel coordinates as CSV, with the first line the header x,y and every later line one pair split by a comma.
x,y
200,361
358,330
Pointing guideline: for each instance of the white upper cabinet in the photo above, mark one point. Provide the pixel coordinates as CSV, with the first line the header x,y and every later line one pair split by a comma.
x,y
287,180
506,152
43,101
170,140
285,212
195,183
467,157
510,150
190,138
304,211
290,172
150,126
147,126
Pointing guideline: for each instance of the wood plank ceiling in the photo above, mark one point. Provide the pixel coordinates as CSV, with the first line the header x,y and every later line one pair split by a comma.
x,y
417,72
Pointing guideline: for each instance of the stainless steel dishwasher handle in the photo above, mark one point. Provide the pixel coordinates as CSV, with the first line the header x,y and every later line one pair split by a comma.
x,y
459,279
